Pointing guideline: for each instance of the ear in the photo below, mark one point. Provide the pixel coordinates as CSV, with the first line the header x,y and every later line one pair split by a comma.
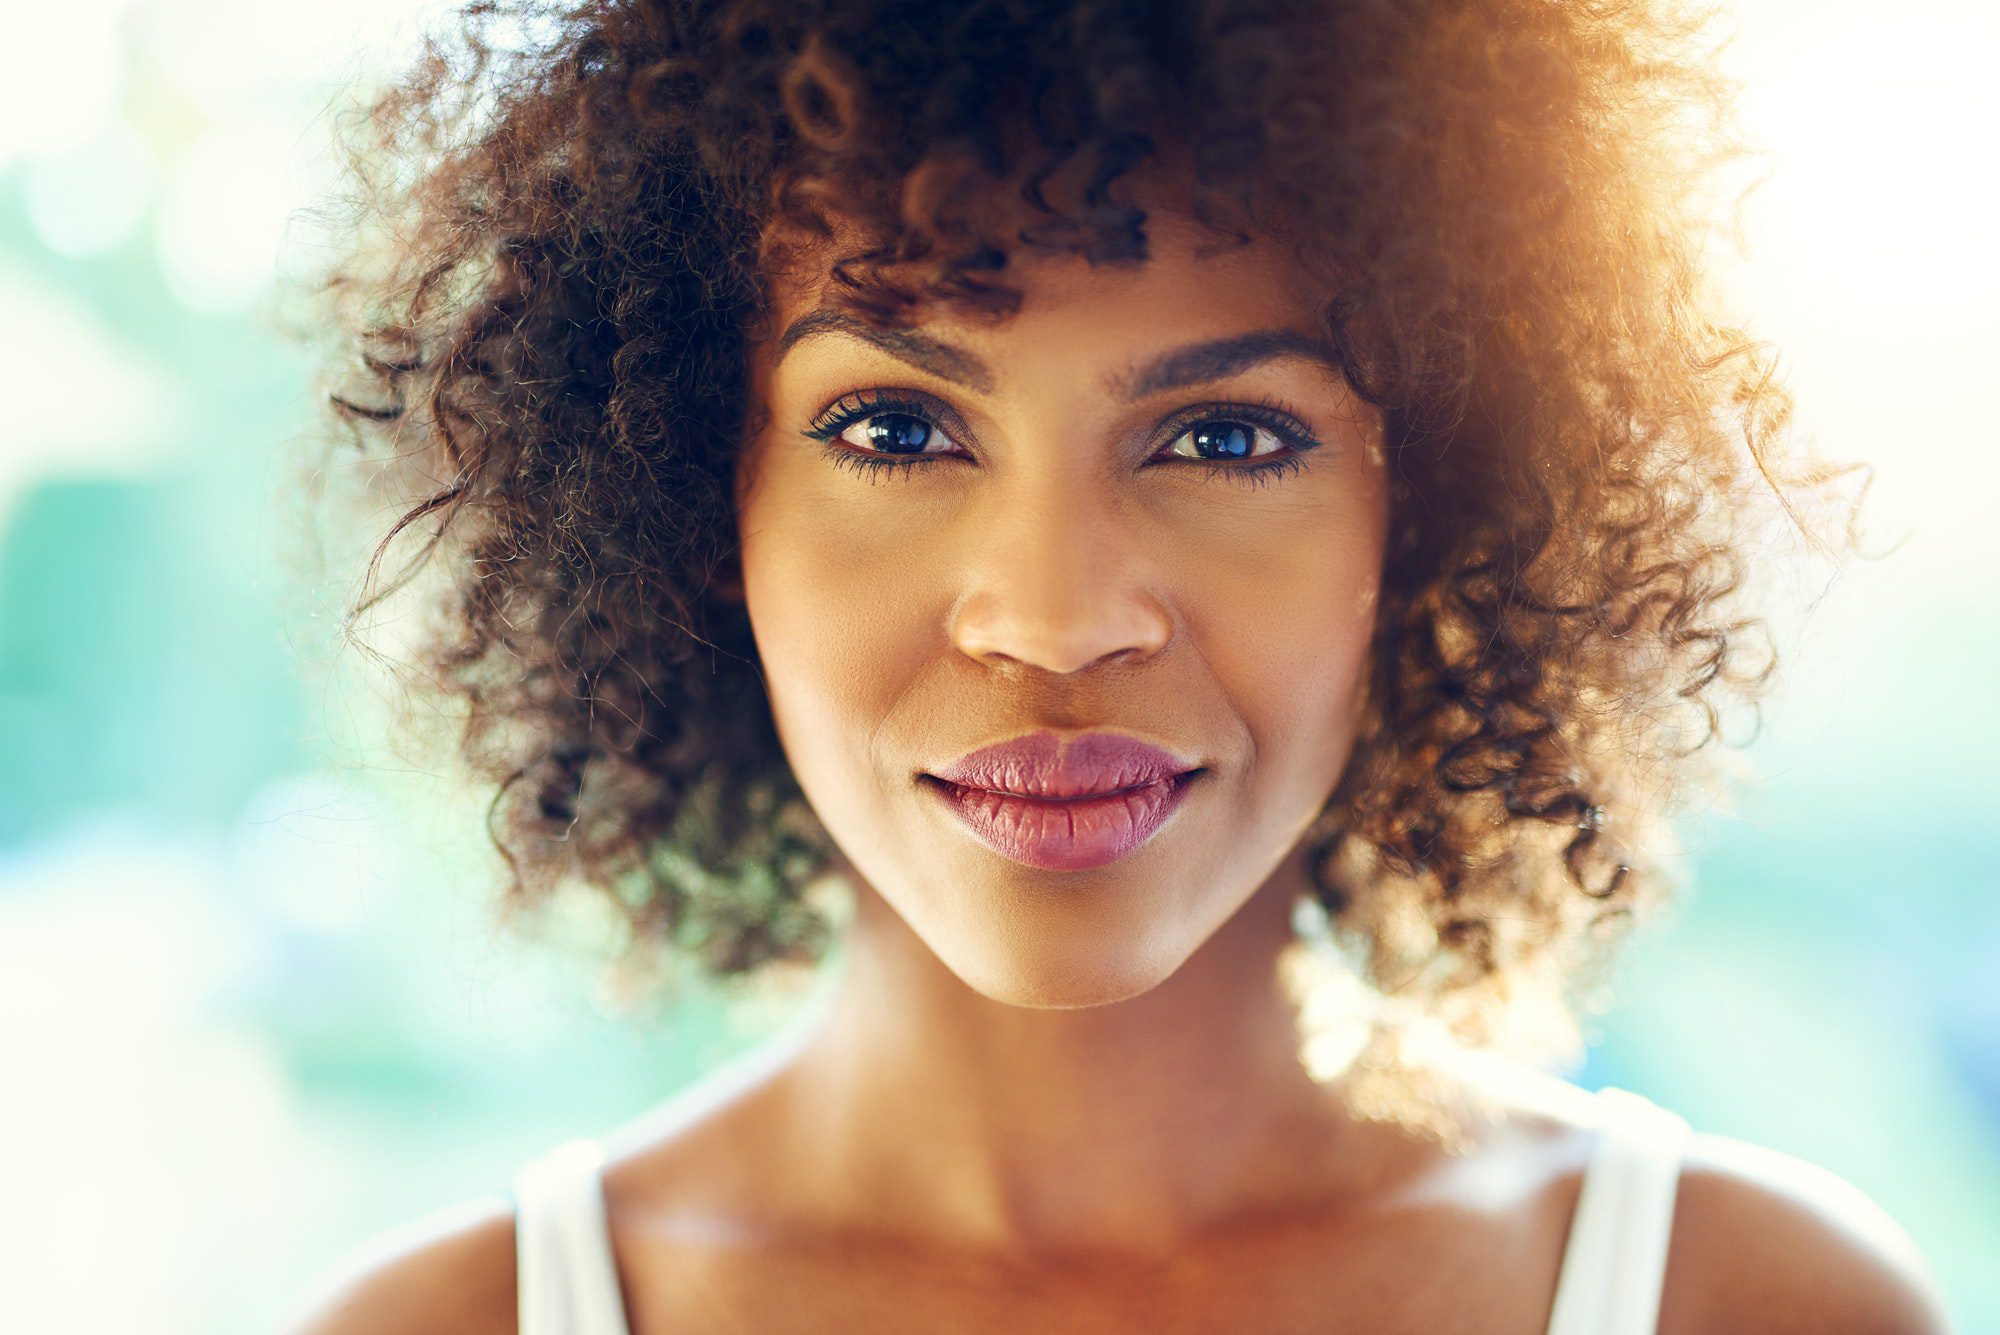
x,y
725,585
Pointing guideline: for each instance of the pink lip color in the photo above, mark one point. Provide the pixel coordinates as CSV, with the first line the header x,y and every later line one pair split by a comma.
x,y
1064,809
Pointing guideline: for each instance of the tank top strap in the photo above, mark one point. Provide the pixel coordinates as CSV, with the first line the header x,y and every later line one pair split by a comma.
x,y
1615,1261
562,1244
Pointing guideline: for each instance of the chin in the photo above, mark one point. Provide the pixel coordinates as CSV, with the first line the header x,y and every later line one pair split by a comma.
x,y
1057,980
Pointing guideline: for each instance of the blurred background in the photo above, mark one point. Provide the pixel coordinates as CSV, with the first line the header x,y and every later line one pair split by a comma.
x,y
253,1008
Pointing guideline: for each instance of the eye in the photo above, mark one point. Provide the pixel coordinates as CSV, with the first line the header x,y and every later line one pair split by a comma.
x,y
1229,436
1219,432
873,430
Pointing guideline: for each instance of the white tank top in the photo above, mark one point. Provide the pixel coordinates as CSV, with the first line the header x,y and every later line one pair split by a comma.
x,y
1609,1283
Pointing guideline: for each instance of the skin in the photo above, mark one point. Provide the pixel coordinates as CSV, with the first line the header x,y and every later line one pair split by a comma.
x,y
1084,571
1066,570
1073,1101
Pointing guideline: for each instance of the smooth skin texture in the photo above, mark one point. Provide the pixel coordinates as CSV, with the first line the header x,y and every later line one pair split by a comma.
x,y
1072,1102
1065,559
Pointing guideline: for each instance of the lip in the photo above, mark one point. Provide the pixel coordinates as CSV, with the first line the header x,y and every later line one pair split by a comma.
x,y
1044,765
1064,807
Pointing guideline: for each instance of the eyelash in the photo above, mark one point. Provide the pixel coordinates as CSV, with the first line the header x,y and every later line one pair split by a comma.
x,y
1274,417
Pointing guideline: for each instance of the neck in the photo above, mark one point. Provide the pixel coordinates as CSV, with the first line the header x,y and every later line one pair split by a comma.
x,y
925,1108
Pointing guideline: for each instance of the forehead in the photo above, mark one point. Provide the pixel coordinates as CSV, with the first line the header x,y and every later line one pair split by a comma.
x,y
1192,279
1237,248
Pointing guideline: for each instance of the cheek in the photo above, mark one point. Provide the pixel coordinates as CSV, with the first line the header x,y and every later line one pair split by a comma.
x,y
836,626
1286,623
849,594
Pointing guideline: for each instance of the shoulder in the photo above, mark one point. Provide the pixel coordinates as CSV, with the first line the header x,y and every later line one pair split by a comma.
x,y
1762,1240
450,1272
1768,1242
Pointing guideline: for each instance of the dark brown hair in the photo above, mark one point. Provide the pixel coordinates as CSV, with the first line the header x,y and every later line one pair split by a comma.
x,y
568,219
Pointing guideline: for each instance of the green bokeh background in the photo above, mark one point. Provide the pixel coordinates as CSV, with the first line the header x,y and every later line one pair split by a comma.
x,y
253,1008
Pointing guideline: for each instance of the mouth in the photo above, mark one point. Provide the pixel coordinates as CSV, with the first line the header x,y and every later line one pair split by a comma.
x,y
1070,833
975,790
1050,766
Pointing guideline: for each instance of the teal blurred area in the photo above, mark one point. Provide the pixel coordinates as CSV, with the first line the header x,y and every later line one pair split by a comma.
x,y
253,1004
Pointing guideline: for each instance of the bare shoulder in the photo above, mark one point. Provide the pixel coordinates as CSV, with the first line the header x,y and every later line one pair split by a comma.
x,y
450,1272
1765,1241
454,1271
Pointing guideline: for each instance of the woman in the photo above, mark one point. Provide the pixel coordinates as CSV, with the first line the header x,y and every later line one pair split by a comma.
x,y
1198,545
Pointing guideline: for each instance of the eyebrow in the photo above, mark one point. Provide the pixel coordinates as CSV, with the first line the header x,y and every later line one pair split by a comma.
x,y
1193,364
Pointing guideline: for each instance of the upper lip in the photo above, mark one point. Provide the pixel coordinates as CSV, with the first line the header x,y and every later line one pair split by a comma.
x,y
1047,765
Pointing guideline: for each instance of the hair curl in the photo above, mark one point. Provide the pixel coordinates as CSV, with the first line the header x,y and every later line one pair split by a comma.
x,y
568,219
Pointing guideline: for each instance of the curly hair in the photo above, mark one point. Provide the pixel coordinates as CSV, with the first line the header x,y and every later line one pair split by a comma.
x,y
568,220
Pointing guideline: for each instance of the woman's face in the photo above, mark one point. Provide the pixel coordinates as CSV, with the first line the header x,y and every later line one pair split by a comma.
x,y
1078,543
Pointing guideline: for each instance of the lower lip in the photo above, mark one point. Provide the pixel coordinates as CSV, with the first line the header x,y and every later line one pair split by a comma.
x,y
1068,835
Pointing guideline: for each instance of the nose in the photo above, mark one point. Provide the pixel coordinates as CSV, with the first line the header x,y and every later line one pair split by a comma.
x,y
1059,581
